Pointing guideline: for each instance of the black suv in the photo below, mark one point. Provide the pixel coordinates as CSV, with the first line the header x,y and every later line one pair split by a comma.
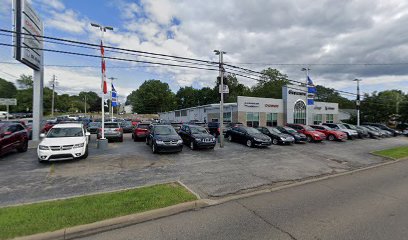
x,y
163,138
248,135
299,137
196,137
276,135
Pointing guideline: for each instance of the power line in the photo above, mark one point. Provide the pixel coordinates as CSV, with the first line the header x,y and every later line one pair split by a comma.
x,y
109,47
112,58
319,64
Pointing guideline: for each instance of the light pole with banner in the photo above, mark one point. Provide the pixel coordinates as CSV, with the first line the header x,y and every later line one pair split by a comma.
x,y
103,142
358,100
306,70
28,45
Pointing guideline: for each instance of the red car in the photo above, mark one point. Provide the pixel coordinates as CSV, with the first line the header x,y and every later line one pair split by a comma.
x,y
140,131
311,134
330,133
12,136
47,126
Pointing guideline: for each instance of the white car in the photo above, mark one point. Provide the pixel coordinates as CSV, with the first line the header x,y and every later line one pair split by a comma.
x,y
63,142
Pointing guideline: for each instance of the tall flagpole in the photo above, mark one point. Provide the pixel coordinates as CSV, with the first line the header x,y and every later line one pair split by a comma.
x,y
103,143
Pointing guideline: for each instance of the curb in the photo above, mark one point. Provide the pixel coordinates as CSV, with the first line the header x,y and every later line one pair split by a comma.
x,y
115,223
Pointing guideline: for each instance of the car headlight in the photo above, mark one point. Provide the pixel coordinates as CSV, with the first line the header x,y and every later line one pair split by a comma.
x,y
258,140
79,145
198,140
43,147
179,141
316,135
282,138
213,139
160,142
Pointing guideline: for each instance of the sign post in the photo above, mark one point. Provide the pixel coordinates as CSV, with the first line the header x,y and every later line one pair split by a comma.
x,y
28,44
8,102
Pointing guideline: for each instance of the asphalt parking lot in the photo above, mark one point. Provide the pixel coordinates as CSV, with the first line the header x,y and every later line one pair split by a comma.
x,y
210,173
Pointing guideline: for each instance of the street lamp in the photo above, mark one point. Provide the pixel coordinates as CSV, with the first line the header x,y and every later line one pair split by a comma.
x,y
221,69
358,100
102,143
307,93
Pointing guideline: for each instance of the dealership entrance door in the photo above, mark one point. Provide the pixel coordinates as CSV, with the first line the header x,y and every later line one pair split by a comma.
x,y
299,113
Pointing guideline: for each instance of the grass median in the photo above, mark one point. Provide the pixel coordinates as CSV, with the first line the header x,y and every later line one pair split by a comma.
x,y
394,153
53,215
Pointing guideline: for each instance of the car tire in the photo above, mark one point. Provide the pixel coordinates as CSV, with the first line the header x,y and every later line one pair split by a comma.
x,y
86,153
230,138
331,137
275,141
309,139
192,145
41,161
23,147
154,150
249,143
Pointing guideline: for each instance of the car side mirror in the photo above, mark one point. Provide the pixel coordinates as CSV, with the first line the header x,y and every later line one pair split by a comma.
x,y
87,134
42,135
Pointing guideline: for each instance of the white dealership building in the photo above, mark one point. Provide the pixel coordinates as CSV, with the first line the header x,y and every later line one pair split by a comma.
x,y
254,111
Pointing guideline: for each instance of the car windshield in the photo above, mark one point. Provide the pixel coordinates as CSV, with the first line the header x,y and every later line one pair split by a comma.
x,y
307,128
274,130
198,130
143,126
94,124
164,130
341,126
111,125
290,130
125,123
65,132
251,130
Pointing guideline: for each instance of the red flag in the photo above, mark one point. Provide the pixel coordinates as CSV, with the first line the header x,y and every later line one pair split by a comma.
x,y
102,50
105,87
103,66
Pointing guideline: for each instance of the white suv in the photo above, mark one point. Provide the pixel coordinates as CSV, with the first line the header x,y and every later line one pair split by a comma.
x,y
63,142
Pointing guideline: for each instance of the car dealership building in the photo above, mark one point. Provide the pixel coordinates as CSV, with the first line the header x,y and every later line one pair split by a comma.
x,y
254,111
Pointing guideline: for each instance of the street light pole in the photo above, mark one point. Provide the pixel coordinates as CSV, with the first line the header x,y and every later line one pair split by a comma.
x,y
103,139
358,100
221,68
53,82
306,70
110,105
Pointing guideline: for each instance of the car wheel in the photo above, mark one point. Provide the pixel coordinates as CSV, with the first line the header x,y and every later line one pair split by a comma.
x,y
41,161
249,143
230,138
309,139
86,153
331,137
154,150
275,141
192,145
23,147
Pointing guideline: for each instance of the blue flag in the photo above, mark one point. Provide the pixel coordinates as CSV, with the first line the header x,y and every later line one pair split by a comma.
x,y
310,101
114,97
310,86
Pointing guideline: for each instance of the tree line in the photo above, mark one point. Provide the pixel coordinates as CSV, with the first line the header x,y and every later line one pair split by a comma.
x,y
63,103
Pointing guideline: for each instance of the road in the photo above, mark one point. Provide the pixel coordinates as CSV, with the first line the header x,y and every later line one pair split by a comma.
x,y
370,204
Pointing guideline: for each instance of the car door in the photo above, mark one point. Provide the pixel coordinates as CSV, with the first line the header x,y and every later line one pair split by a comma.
x,y
8,138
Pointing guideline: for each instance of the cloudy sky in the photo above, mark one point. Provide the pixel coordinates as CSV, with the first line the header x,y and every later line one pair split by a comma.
x,y
338,40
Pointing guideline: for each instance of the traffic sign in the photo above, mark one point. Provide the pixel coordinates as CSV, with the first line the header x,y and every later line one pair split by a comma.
x,y
8,101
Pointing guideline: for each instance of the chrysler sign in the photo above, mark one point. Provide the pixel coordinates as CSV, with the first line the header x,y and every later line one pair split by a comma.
x,y
28,29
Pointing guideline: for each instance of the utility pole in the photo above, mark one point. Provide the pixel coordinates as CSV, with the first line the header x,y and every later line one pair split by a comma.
x,y
85,104
358,100
221,67
102,143
110,105
53,83
307,92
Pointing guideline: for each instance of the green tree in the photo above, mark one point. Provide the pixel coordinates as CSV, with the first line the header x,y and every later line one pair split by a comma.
x,y
7,90
270,84
381,106
324,94
152,96
93,101
25,82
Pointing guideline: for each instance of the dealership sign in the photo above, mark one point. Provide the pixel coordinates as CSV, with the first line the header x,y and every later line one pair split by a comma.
x,y
251,104
8,101
28,34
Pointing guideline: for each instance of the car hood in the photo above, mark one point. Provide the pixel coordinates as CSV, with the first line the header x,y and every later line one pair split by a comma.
x,y
260,136
62,141
167,137
283,135
202,135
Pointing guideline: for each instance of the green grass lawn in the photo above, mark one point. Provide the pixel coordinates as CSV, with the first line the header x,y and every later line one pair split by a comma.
x,y
394,153
59,214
